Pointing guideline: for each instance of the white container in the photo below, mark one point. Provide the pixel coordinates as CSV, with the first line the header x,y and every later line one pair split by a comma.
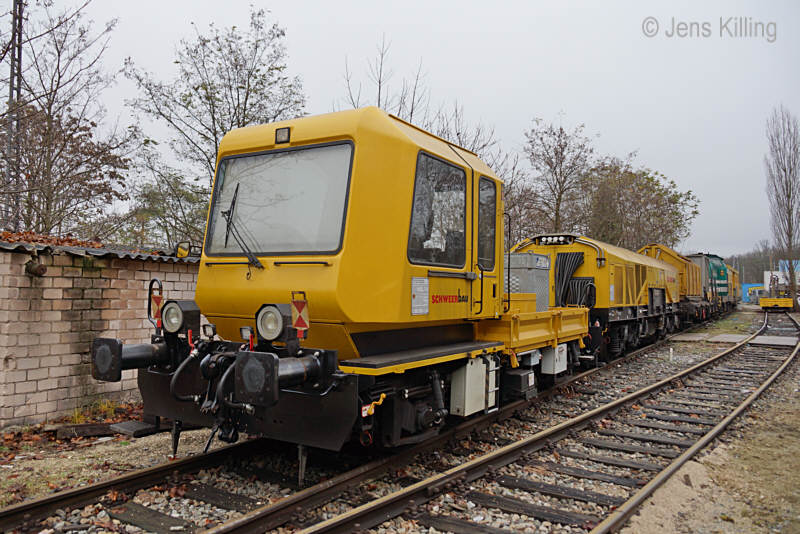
x,y
468,387
554,360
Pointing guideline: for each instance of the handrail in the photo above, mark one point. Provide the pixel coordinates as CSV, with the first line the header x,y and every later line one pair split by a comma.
x,y
601,254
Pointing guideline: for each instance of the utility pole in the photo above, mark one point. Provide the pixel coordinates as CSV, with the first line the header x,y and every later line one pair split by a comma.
x,y
12,180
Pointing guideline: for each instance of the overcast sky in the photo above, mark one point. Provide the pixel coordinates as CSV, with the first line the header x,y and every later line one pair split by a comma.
x,y
693,107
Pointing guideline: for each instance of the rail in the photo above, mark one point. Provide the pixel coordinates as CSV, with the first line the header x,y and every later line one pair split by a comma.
x,y
624,511
394,504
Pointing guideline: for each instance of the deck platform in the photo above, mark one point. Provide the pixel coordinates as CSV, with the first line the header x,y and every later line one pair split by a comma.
x,y
392,359
780,341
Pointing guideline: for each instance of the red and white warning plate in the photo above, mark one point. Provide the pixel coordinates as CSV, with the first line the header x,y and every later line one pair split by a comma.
x,y
300,319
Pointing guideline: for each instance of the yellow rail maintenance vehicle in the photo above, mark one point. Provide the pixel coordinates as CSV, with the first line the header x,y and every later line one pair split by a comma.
x,y
632,297
781,303
352,280
778,298
693,306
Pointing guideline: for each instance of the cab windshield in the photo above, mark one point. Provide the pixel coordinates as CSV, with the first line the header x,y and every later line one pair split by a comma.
x,y
286,202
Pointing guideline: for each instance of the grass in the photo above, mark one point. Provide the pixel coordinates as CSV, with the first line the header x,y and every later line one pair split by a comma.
x,y
109,408
77,417
736,323
105,409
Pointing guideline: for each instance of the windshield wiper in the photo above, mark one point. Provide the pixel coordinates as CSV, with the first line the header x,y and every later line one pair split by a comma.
x,y
232,229
229,214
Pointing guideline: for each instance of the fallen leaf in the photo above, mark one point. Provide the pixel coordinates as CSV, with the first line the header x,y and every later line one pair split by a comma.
x,y
177,491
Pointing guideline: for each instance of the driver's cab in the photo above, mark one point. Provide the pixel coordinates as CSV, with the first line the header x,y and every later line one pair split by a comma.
x,y
381,224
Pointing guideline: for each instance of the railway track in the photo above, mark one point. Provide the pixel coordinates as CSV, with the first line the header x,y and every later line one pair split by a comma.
x,y
625,449
259,515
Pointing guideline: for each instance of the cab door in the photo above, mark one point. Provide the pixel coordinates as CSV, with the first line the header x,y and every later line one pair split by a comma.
x,y
440,239
486,247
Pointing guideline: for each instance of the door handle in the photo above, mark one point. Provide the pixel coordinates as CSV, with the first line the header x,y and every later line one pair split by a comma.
x,y
469,275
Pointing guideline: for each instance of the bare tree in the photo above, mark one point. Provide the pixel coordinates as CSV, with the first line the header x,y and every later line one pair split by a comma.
x,y
752,264
165,208
67,170
559,159
45,22
782,166
32,28
410,100
451,123
520,198
226,79
70,175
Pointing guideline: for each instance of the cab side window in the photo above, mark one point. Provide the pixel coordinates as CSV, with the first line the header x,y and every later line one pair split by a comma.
x,y
438,216
487,220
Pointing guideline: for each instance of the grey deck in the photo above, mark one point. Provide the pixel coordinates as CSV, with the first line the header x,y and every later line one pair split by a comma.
x,y
407,356
781,341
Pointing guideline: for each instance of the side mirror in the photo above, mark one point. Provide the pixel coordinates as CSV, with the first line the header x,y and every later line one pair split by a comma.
x,y
182,249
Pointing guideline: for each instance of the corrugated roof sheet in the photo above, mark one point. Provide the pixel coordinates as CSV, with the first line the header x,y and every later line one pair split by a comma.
x,y
31,248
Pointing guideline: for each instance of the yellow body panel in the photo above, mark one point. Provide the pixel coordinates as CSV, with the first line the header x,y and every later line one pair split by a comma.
x,y
532,330
734,288
775,302
688,271
622,277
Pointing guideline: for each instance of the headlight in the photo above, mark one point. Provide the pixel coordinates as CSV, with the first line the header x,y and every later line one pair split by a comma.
x,y
269,323
172,317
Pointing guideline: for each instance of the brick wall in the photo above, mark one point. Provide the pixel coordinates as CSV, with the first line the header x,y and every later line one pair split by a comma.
x,y
47,325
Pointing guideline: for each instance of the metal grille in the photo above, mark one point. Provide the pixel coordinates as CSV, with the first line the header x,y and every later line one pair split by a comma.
x,y
530,273
566,265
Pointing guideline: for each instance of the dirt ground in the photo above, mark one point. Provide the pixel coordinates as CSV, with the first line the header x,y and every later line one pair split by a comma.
x,y
746,481
39,471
